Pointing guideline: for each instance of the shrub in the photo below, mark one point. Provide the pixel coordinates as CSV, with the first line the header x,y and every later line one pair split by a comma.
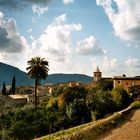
x,y
121,98
101,103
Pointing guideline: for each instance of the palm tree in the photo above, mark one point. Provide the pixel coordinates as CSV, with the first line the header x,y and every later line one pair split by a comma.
x,y
38,70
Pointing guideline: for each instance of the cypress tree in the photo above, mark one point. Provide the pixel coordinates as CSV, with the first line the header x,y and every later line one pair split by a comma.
x,y
13,87
3,89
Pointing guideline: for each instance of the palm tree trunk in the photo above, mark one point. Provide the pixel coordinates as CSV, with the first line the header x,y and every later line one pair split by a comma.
x,y
36,82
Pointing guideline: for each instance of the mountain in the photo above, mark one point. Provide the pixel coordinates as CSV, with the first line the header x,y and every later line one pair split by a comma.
x,y
7,72
62,78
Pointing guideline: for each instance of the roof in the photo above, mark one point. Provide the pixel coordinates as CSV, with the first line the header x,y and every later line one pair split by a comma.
x,y
97,69
126,78
17,96
107,78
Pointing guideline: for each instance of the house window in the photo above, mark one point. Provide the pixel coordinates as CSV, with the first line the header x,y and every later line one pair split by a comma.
x,y
119,82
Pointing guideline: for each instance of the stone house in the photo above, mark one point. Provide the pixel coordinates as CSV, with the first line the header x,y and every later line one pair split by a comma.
x,y
17,100
125,82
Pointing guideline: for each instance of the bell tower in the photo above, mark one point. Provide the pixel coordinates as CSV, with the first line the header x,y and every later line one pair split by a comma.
x,y
97,74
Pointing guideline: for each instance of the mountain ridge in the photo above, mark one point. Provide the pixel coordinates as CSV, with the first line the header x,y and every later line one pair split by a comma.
x,y
7,72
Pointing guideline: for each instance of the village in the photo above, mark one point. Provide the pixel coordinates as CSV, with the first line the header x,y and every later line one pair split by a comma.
x,y
24,95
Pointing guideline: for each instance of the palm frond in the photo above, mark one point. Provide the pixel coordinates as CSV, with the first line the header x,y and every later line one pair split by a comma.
x,y
38,68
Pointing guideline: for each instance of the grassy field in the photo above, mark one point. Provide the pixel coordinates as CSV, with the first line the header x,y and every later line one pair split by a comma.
x,y
93,129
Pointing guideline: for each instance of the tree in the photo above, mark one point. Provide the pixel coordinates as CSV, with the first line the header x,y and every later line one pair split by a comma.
x,y
121,98
105,84
78,112
100,103
13,87
3,89
134,91
38,70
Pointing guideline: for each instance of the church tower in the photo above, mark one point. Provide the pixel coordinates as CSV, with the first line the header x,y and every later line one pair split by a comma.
x,y
97,74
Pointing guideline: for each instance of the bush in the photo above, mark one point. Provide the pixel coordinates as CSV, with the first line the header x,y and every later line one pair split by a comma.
x,y
21,130
121,98
78,112
73,93
101,103
134,91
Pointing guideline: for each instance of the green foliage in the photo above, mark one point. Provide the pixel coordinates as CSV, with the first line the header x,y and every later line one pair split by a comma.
x,y
68,107
101,103
52,104
3,89
38,70
5,122
58,90
13,87
105,84
29,123
121,98
73,93
78,112
134,91
136,104
21,130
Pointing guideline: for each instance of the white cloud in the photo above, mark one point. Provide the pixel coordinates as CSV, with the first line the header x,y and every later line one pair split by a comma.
x,y
59,20
133,65
105,65
68,1
10,39
89,46
55,42
133,62
13,46
109,66
125,18
39,10
113,67
29,30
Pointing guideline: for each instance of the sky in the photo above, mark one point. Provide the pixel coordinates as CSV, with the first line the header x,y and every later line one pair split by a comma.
x,y
75,36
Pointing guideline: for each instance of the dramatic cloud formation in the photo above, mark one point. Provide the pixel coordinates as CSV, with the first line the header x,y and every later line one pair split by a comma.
x,y
89,46
10,39
125,18
68,1
69,43
56,40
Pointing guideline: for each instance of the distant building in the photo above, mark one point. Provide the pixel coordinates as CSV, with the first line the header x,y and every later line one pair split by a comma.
x,y
97,74
125,82
118,81
73,84
17,100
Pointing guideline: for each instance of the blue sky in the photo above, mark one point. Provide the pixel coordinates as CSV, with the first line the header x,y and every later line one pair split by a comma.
x,y
73,35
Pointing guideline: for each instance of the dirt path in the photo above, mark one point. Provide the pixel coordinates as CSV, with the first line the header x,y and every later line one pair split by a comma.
x,y
130,130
